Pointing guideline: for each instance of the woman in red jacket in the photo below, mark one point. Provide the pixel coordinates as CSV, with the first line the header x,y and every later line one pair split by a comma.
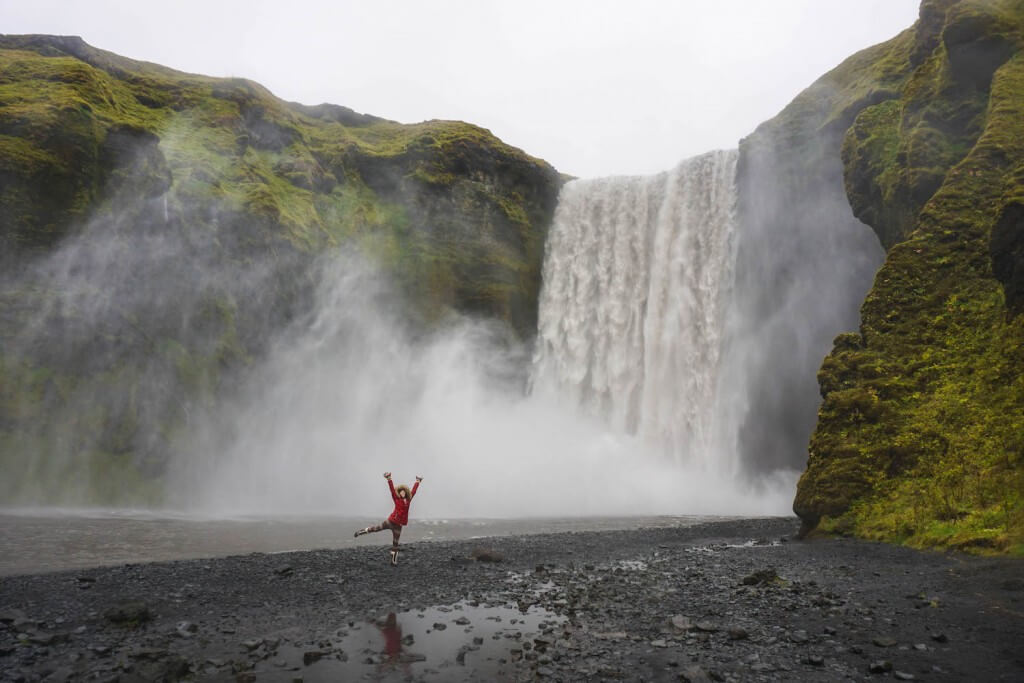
x,y
399,517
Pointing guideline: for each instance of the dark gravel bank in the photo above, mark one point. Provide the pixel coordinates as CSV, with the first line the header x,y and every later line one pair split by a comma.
x,y
724,601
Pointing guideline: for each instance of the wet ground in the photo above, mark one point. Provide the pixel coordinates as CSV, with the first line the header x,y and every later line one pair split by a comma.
x,y
725,601
52,539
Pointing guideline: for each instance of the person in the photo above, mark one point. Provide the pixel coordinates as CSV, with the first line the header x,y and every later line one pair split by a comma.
x,y
399,516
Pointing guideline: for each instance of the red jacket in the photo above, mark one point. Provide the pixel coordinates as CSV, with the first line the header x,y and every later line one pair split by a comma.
x,y
401,512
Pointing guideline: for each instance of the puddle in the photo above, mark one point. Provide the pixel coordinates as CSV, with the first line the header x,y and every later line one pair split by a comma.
x,y
461,642
710,549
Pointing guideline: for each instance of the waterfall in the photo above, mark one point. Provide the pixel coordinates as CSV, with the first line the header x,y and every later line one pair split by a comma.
x,y
637,277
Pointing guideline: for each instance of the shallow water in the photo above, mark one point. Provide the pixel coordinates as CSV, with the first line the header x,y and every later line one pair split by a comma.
x,y
43,540
464,641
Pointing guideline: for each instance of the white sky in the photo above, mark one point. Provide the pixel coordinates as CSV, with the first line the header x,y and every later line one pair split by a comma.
x,y
595,87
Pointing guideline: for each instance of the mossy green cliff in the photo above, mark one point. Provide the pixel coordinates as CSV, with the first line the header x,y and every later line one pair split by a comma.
x,y
920,435
160,180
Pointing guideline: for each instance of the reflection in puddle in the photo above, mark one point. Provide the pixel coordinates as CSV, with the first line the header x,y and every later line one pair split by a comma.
x,y
465,641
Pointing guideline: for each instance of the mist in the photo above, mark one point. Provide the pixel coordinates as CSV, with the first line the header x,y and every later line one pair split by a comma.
x,y
353,392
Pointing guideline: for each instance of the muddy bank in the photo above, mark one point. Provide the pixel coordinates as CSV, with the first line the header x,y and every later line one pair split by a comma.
x,y
720,601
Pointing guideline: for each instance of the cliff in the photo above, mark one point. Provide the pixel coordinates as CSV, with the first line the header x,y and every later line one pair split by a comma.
x,y
156,227
920,434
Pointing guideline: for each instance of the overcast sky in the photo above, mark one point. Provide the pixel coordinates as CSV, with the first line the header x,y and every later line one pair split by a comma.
x,y
596,88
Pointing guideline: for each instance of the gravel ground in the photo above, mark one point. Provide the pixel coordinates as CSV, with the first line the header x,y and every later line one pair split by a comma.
x,y
723,601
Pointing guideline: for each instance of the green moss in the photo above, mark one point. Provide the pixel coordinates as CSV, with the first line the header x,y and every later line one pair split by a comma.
x,y
456,217
938,460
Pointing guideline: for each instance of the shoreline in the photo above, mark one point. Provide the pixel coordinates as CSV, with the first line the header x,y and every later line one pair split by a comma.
x,y
49,540
726,600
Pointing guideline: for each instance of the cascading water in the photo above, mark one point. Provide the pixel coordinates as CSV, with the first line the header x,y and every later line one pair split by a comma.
x,y
637,278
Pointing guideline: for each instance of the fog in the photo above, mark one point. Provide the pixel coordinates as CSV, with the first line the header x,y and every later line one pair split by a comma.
x,y
351,393
176,356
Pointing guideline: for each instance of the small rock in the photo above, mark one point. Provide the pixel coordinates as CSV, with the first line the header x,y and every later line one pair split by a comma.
x,y
252,644
612,635
659,643
310,656
284,570
799,636
133,612
186,629
150,653
440,627
545,671
487,555
462,621
902,676
694,674
815,660
43,638
738,633
9,616
707,627
880,667
682,623
60,675
883,641
920,647
412,657
761,577
940,637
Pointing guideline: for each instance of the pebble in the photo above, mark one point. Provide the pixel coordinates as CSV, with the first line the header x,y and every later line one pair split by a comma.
x,y
615,619
880,667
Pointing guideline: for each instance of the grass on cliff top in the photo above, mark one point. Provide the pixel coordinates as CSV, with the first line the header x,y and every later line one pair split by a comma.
x,y
35,89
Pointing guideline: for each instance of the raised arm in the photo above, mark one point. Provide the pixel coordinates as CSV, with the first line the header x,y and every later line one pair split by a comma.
x,y
391,485
414,487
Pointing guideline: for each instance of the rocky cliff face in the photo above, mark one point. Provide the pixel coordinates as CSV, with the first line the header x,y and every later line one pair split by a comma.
x,y
156,227
920,435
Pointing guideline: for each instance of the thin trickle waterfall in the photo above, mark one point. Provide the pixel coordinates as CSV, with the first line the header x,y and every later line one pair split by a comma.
x,y
637,275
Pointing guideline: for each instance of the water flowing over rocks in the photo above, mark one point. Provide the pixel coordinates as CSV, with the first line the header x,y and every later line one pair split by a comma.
x,y
649,604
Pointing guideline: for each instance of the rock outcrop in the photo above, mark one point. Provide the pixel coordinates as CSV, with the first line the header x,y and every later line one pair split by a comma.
x,y
920,435
157,227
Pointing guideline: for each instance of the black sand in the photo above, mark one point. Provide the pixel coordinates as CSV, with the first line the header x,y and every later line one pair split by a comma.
x,y
724,601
